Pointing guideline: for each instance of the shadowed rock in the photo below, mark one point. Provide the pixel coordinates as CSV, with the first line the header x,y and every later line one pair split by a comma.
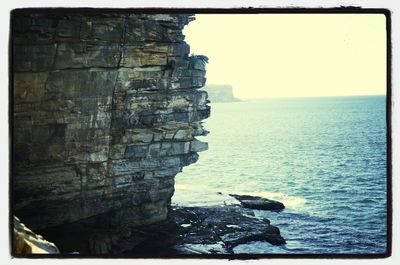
x,y
188,230
207,230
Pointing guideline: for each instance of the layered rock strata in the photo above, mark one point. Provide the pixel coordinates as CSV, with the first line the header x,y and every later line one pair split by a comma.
x,y
106,111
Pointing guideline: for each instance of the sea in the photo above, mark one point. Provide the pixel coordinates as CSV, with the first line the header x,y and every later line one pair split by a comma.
x,y
323,157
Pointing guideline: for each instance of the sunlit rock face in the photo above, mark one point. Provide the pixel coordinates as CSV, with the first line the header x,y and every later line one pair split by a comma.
x,y
27,242
106,111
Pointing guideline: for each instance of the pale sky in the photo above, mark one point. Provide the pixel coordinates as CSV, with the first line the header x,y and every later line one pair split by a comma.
x,y
293,55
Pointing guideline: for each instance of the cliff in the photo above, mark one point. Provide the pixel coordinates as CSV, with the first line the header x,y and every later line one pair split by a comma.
x,y
105,114
220,93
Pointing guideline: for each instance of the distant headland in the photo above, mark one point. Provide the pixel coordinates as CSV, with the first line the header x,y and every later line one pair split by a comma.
x,y
220,93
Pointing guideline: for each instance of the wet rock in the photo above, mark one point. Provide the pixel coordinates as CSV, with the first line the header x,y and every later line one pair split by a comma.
x,y
259,203
210,230
229,226
187,230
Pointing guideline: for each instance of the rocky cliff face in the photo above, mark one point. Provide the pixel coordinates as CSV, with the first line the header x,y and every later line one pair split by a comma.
x,y
106,111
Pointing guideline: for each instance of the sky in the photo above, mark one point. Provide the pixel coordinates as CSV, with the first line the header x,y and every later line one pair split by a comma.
x,y
293,55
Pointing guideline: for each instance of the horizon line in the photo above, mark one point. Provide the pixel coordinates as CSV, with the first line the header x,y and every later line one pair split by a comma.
x,y
318,96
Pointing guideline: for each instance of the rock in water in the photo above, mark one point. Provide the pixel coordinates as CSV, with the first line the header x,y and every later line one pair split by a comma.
x,y
220,229
259,203
209,230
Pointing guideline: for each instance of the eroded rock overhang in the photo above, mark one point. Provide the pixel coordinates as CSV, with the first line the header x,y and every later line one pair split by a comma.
x,y
106,111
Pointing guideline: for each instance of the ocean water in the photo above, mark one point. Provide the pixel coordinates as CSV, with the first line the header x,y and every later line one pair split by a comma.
x,y
324,158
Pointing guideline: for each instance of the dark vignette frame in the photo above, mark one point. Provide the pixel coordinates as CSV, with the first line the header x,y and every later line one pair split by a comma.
x,y
250,10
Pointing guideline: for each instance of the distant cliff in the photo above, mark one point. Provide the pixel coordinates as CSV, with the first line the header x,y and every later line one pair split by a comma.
x,y
220,93
105,114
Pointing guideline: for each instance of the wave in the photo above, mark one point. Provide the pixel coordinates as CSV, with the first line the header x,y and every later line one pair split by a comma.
x,y
288,200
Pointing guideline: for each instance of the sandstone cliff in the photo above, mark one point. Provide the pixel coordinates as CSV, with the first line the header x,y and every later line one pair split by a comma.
x,y
105,114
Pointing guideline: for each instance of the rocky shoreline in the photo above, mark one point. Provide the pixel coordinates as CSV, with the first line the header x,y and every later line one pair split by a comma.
x,y
196,231
218,230
186,231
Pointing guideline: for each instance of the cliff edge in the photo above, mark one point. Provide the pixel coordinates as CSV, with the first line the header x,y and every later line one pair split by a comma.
x,y
105,114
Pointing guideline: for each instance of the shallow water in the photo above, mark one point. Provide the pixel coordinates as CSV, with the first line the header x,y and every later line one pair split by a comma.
x,y
324,158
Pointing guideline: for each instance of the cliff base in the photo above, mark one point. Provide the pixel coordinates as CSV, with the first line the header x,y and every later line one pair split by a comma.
x,y
188,230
